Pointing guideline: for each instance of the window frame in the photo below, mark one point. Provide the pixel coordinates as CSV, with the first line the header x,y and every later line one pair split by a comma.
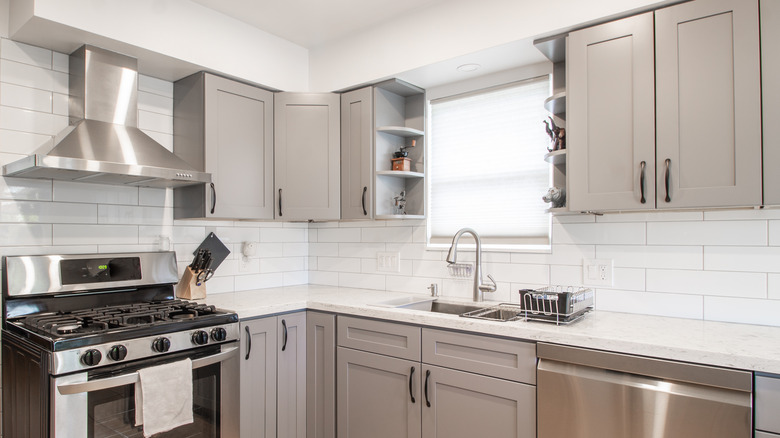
x,y
466,90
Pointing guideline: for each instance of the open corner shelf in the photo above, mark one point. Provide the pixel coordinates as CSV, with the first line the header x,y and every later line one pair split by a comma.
x,y
401,131
400,173
400,216
556,157
556,104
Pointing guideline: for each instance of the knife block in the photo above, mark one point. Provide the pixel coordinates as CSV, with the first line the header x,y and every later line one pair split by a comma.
x,y
188,288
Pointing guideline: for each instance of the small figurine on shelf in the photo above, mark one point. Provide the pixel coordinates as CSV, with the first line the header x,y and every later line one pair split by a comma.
x,y
557,135
399,203
556,197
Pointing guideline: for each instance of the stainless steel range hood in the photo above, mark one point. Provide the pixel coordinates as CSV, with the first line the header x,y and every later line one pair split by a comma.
x,y
103,144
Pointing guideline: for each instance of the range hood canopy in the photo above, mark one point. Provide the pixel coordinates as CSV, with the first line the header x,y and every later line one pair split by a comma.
x,y
103,144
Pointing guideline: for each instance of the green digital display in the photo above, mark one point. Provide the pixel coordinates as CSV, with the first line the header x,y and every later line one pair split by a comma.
x,y
103,267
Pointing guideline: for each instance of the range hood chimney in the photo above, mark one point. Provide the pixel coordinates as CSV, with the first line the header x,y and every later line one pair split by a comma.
x,y
103,143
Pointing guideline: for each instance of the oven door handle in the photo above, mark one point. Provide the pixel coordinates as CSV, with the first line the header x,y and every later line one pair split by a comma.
x,y
132,378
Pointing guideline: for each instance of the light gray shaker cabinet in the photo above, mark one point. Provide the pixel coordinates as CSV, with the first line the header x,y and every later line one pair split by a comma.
x,y
770,88
610,116
708,97
357,132
258,378
707,110
320,375
306,156
225,128
273,376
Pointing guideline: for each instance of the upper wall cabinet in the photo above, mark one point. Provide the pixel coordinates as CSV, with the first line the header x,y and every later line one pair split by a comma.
x,y
707,150
225,128
770,88
306,154
357,146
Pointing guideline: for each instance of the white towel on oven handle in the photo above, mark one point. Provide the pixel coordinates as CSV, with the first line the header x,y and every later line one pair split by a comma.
x,y
163,397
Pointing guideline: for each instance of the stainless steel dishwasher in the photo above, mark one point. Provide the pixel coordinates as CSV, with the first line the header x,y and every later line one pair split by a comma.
x,y
592,394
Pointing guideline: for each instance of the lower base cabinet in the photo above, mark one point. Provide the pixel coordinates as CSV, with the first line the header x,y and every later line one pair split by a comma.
x,y
273,377
459,404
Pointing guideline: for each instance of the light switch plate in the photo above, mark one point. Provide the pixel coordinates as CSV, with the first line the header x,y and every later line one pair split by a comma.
x,y
388,261
597,272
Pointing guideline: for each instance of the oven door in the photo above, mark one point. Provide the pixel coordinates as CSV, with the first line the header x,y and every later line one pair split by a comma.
x,y
101,403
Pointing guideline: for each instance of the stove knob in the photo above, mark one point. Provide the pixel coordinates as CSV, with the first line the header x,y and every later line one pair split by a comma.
x,y
200,337
91,358
219,334
117,352
161,345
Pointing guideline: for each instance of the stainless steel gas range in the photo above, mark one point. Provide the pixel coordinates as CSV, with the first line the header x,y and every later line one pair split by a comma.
x,y
78,328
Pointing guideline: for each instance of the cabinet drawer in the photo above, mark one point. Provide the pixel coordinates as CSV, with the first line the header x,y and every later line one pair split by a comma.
x,y
767,403
502,358
386,338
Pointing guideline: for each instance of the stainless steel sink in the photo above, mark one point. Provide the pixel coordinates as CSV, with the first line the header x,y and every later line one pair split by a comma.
x,y
500,312
452,308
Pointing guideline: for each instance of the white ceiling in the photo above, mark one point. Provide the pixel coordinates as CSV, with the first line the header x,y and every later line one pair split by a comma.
x,y
312,23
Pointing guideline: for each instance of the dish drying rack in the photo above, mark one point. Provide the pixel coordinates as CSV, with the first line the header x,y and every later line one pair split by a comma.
x,y
557,304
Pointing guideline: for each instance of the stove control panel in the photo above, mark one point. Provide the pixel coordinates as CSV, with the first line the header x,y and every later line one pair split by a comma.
x,y
88,357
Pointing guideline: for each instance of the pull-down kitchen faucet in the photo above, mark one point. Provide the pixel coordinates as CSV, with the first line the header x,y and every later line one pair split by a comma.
x,y
452,257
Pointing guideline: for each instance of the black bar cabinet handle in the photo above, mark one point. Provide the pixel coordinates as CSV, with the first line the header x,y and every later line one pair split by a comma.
x,y
248,342
213,198
284,334
666,180
411,375
427,375
642,182
365,213
280,202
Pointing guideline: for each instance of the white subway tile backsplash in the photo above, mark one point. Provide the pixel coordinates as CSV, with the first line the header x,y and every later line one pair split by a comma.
x,y
661,257
566,275
47,249
365,281
35,122
185,234
415,251
324,278
59,104
742,258
338,264
155,197
47,212
238,234
387,234
295,278
27,234
369,266
66,191
742,214
628,279
25,98
600,234
338,235
23,143
157,86
149,121
651,216
430,268
130,214
25,189
717,283
113,249
282,235
363,250
707,233
324,249
12,72
258,281
298,249
166,140
742,310
518,273
409,284
25,53
155,103
559,255
283,264
268,250
60,62
219,285
774,286
774,233
69,234
649,303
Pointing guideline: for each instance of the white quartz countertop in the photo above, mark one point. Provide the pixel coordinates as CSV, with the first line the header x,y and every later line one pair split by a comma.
x,y
741,346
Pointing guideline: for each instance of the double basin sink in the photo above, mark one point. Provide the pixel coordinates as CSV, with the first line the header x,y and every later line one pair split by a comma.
x,y
500,312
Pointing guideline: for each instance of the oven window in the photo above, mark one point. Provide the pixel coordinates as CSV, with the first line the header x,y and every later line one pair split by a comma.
x,y
111,412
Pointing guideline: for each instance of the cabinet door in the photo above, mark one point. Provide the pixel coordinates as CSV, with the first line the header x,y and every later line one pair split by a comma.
x,y
291,369
320,375
709,104
306,154
239,149
378,396
357,121
467,405
770,88
610,116
258,378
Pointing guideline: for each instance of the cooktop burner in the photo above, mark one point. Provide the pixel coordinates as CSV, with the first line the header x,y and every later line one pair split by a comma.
x,y
103,319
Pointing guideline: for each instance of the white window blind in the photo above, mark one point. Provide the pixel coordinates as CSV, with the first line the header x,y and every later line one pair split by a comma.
x,y
486,165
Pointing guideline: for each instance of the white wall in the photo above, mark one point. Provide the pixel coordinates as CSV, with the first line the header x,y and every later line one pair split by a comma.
x,y
446,30
39,216
4,18
178,29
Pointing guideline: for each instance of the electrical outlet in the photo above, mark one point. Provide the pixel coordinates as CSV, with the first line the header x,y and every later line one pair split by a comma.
x,y
388,262
243,264
597,272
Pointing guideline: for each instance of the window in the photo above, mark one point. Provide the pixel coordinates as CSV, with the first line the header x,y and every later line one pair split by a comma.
x,y
486,166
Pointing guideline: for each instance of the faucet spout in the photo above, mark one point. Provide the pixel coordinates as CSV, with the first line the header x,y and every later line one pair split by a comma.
x,y
452,257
